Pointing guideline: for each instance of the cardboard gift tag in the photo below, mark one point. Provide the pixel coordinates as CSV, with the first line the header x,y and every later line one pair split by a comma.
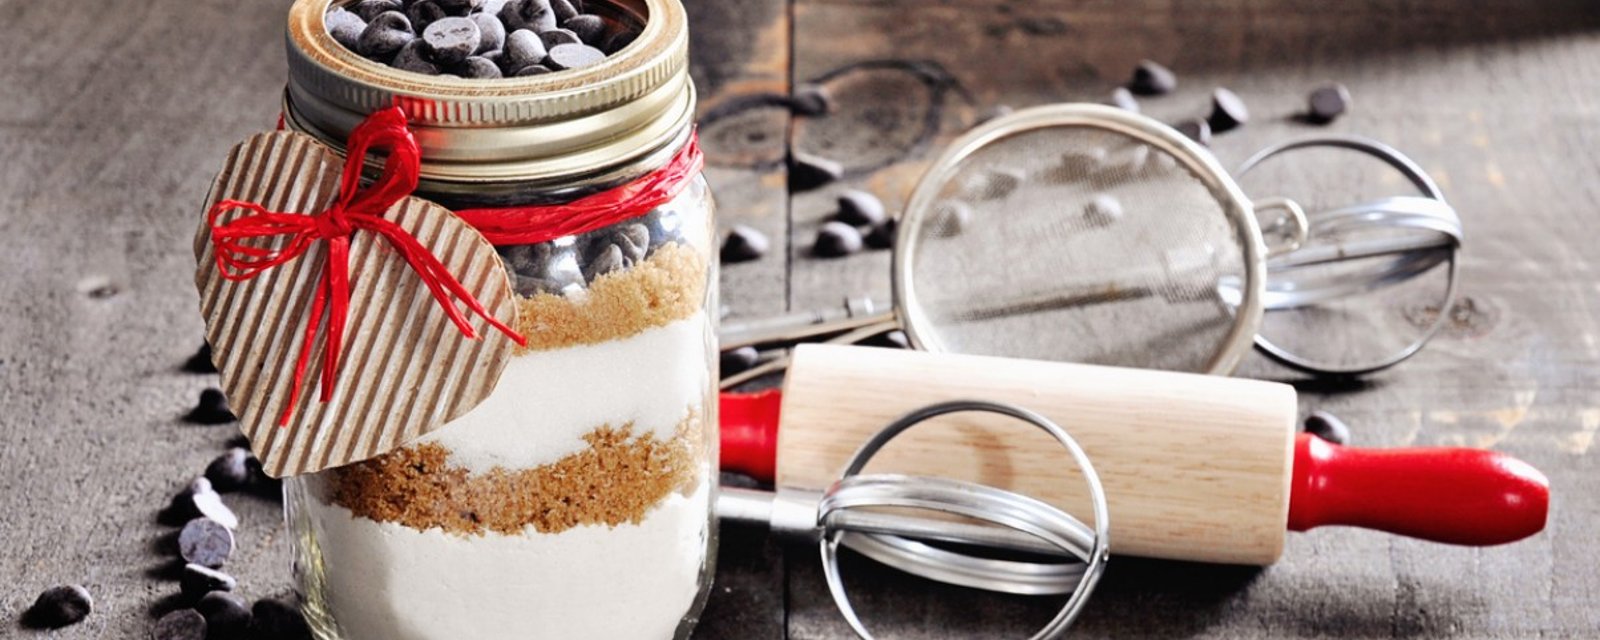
x,y
404,368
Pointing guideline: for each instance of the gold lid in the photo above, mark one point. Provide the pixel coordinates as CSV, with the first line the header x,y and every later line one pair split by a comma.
x,y
556,126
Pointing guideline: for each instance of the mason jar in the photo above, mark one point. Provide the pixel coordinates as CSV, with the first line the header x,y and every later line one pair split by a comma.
x,y
576,500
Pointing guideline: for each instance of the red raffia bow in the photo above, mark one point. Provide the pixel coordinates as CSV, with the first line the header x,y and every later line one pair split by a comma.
x,y
356,209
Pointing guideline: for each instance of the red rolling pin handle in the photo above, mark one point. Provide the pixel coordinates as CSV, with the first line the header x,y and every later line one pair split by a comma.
x,y
749,423
1457,496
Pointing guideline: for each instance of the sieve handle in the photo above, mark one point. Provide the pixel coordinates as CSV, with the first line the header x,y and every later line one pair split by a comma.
x,y
749,424
1452,495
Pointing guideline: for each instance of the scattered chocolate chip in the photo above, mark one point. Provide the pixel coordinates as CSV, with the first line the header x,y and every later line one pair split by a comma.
x,y
1195,129
278,621
744,244
211,409
563,9
386,34
423,13
58,607
589,28
369,9
528,14
413,58
182,508
736,360
451,40
477,68
1103,209
230,471
199,580
183,624
210,506
1122,98
345,27
573,56
1328,427
261,483
860,208
491,33
882,236
523,49
811,100
1327,103
1227,111
227,615
205,542
950,218
836,239
201,362
1152,79
807,172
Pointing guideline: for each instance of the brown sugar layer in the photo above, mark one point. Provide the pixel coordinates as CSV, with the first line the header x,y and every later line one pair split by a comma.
x,y
617,480
669,285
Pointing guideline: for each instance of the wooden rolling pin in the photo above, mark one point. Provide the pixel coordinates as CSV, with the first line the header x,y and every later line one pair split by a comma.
x,y
1195,467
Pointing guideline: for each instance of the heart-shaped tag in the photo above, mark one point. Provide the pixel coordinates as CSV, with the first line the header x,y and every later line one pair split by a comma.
x,y
404,367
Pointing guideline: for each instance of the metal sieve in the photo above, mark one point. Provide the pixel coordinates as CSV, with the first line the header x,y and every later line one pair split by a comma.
x,y
1085,233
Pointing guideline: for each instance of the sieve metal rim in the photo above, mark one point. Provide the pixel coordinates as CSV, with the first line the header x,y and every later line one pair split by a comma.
x,y
1423,182
1200,162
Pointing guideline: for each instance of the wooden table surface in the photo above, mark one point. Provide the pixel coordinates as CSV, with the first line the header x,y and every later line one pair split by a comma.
x,y
112,123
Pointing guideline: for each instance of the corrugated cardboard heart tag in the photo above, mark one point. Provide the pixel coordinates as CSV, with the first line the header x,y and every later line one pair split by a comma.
x,y
404,368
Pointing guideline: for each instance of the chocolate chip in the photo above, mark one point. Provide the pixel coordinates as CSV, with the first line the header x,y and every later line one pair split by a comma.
x,y
859,208
182,507
211,409
557,37
423,13
811,100
210,506
619,41
1103,209
882,236
1195,129
523,49
589,28
58,607
573,56
205,542
736,360
369,9
608,260
836,239
633,239
199,580
1328,427
262,483
1227,111
1152,79
533,70
528,14
563,9
451,40
1327,103
278,621
950,218
492,34
477,68
345,27
1122,98
201,362
414,58
744,244
227,615
807,172
459,7
183,624
230,471
386,34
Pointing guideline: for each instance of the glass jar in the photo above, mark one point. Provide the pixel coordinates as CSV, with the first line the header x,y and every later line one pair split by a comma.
x,y
576,500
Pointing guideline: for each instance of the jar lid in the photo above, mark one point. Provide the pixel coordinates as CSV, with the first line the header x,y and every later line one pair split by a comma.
x,y
527,129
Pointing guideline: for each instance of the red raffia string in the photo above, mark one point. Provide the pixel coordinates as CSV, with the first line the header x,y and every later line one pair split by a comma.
x,y
356,209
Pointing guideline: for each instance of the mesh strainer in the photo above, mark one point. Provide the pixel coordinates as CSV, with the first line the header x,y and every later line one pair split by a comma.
x,y
1085,233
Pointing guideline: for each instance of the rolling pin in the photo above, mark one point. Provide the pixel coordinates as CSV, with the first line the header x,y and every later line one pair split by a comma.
x,y
1195,467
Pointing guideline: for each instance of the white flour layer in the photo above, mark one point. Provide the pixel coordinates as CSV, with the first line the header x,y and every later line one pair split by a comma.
x,y
546,401
385,581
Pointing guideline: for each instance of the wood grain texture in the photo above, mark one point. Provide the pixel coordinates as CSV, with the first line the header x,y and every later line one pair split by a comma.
x,y
404,369
111,125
